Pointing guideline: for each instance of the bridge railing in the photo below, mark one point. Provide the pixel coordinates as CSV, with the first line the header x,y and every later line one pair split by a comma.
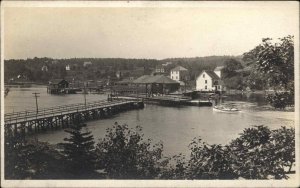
x,y
24,115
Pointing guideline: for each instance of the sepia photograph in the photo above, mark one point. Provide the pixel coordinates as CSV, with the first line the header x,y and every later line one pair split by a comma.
x,y
149,94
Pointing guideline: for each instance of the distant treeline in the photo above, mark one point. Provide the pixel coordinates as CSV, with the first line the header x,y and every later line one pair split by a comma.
x,y
101,68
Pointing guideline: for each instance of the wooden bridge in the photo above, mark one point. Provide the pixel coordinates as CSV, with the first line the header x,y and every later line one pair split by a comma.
x,y
63,116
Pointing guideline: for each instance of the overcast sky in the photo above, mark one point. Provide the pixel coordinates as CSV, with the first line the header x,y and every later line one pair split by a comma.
x,y
144,32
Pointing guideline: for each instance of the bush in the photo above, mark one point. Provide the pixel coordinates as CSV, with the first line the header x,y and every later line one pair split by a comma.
x,y
123,154
210,161
31,159
280,100
258,153
173,167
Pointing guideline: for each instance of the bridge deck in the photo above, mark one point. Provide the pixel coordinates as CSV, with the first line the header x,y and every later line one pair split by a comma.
x,y
59,110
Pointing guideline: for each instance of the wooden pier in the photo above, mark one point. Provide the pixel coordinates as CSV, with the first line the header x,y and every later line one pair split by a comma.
x,y
165,100
28,122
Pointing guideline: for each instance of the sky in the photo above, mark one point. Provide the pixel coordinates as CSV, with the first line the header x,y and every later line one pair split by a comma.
x,y
144,31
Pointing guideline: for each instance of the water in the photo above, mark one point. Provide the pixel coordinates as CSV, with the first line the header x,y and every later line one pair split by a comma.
x,y
175,127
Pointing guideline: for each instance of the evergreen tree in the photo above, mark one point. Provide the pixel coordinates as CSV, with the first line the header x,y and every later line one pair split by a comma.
x,y
79,151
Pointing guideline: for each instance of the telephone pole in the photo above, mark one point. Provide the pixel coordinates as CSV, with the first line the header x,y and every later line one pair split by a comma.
x,y
84,94
36,102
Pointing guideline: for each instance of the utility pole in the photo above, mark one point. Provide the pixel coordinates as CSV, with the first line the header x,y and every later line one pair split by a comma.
x,y
84,93
36,102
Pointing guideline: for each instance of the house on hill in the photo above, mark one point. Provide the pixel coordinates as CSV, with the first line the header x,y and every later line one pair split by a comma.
x,y
159,70
45,68
68,68
179,73
210,80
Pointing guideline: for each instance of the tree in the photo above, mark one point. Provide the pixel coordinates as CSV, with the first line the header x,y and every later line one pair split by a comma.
x,y
16,157
256,80
276,62
123,154
210,161
230,67
231,77
79,151
263,154
31,159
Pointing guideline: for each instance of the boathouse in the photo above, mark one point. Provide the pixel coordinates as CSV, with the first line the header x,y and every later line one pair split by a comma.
x,y
57,86
156,85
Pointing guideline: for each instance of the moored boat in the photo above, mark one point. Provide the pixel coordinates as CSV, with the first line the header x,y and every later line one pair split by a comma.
x,y
225,109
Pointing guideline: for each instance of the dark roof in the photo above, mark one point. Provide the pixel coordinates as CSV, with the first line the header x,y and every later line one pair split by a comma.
x,y
159,67
57,81
210,73
159,79
179,68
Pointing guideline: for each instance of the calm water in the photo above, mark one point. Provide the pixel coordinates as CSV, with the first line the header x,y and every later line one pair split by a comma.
x,y
175,127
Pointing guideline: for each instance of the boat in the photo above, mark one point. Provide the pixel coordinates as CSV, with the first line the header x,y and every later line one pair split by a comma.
x,y
227,109
6,92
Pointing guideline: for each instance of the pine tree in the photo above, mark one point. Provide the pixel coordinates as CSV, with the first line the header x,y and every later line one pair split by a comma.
x,y
79,151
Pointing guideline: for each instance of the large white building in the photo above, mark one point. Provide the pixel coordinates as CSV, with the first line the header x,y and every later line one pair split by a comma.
x,y
179,73
210,80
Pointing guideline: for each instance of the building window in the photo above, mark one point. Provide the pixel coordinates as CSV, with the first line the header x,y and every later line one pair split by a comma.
x,y
172,77
205,87
176,77
206,81
219,87
203,75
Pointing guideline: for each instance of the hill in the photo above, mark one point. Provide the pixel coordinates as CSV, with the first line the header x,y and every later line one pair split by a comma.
x,y
44,69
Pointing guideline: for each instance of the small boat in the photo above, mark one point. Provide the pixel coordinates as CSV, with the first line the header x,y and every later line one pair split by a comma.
x,y
6,92
225,109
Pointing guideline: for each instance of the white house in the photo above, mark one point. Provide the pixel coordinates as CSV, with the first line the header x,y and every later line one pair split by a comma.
x,y
68,68
179,73
44,68
210,80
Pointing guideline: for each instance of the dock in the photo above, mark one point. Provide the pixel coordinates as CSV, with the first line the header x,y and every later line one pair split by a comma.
x,y
165,100
28,122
